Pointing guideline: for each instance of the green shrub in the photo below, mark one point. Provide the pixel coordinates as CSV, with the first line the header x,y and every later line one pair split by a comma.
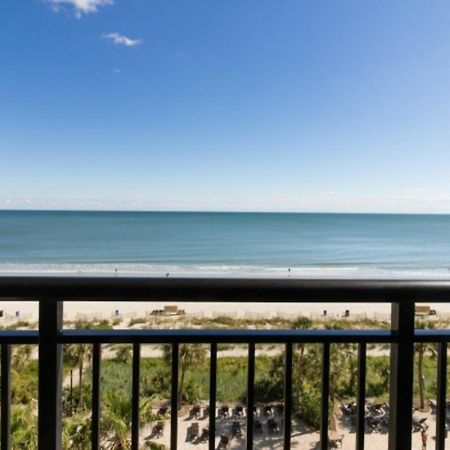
x,y
23,428
309,407
193,392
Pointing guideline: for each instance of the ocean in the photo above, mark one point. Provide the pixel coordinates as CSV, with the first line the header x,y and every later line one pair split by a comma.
x,y
225,244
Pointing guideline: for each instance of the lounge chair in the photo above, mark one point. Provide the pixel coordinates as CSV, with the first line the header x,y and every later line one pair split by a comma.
x,y
257,425
418,423
163,410
335,442
349,409
239,411
268,411
273,427
433,406
204,437
158,430
374,423
193,431
224,442
195,412
224,412
280,409
236,431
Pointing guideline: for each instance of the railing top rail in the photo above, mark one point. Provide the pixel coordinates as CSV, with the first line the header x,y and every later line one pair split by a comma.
x,y
226,336
74,288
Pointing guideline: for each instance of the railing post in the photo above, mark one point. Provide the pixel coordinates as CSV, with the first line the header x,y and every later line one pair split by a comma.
x,y
6,397
96,398
174,399
288,396
250,394
50,375
402,370
325,400
441,405
135,400
212,396
361,396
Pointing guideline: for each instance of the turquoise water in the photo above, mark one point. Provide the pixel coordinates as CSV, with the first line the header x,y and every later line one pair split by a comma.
x,y
157,243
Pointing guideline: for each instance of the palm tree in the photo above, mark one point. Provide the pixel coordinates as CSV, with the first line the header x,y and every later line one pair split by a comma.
x,y
75,355
76,432
189,355
123,354
24,382
301,323
421,349
342,361
23,428
117,420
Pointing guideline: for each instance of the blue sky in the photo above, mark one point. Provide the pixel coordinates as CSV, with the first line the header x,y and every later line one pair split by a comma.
x,y
225,105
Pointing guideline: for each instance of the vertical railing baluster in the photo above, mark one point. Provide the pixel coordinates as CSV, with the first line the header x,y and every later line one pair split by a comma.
x,y
402,370
441,405
361,396
325,401
212,396
287,396
135,393
96,405
250,393
50,375
174,399
6,397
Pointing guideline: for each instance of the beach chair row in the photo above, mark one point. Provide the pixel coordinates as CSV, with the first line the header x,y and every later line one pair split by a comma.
x,y
238,411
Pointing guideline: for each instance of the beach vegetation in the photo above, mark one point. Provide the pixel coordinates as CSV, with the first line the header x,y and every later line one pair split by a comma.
x,y
137,320
77,356
189,356
23,427
421,349
123,353
194,382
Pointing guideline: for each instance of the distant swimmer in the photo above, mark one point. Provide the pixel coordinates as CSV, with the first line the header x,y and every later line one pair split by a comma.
x,y
289,269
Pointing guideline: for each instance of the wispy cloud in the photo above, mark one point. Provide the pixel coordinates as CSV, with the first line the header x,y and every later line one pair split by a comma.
x,y
80,7
325,202
120,39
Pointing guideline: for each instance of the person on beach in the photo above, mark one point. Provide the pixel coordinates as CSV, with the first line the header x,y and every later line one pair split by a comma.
x,y
424,436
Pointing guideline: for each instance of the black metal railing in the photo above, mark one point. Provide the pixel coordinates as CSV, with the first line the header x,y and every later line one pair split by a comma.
x,y
50,337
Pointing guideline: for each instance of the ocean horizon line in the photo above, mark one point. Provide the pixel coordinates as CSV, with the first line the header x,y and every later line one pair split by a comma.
x,y
194,211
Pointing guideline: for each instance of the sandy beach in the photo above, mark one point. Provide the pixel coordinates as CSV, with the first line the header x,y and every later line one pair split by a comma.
x,y
247,310
107,310
302,437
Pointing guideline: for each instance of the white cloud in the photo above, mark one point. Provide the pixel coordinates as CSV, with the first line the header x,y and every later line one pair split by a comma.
x,y
322,202
81,6
120,39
